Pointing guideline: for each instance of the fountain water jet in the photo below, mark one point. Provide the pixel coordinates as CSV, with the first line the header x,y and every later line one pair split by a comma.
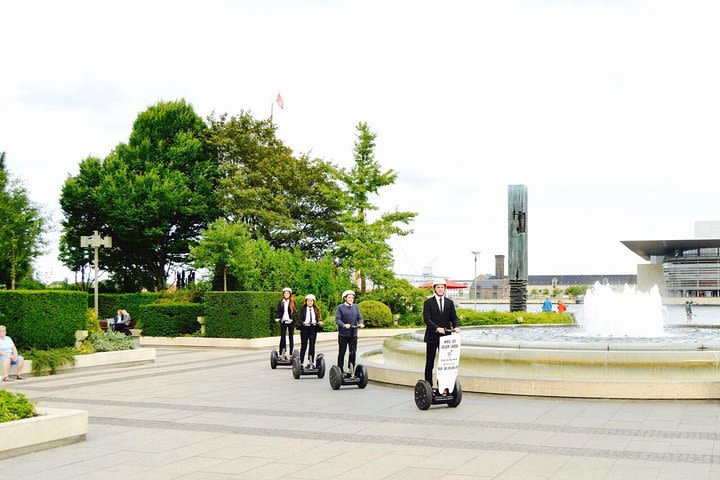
x,y
629,313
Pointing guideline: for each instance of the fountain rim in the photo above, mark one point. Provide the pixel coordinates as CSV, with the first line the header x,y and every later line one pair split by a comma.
x,y
569,345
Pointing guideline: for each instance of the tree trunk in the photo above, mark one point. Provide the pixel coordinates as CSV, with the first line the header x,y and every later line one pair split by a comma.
x,y
224,279
12,264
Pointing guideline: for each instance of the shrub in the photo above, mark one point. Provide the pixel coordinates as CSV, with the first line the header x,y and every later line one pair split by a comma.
x,y
43,319
91,321
110,341
576,289
15,406
241,314
51,360
375,314
471,317
110,303
171,319
192,294
400,295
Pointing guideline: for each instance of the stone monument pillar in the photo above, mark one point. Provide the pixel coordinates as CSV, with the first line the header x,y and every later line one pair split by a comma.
x,y
517,247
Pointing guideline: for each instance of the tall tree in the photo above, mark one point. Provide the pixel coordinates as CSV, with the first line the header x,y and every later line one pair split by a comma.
x,y
364,245
153,195
290,201
21,227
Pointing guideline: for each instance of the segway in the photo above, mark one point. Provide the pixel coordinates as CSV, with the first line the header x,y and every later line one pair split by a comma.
x,y
448,362
316,368
356,376
280,359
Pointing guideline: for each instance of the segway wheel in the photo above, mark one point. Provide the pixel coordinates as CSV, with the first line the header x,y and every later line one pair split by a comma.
x,y
296,353
273,359
457,395
321,367
423,395
296,367
335,377
361,373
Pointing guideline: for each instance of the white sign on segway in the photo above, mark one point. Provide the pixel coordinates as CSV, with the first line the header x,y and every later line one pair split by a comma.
x,y
448,362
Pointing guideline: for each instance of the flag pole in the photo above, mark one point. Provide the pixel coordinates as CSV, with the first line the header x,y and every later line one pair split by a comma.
x,y
271,112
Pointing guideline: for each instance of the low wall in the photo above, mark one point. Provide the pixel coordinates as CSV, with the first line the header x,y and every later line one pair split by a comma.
x,y
266,342
52,428
120,358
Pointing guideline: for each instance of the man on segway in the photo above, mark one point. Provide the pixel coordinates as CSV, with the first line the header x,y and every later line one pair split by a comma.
x,y
348,319
440,318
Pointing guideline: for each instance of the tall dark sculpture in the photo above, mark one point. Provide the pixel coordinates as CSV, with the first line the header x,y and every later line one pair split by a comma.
x,y
517,247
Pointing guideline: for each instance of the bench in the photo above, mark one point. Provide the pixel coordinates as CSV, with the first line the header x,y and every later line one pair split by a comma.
x,y
104,323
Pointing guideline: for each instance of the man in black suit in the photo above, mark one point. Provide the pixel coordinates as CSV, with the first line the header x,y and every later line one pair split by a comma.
x,y
440,317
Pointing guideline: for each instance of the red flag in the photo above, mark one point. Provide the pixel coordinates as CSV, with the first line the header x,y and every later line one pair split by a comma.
x,y
280,102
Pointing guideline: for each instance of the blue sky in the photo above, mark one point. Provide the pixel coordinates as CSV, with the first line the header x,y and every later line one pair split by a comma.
x,y
606,110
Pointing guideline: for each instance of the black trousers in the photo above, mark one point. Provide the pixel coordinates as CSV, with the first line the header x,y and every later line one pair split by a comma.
x,y
290,328
307,340
344,342
121,327
431,350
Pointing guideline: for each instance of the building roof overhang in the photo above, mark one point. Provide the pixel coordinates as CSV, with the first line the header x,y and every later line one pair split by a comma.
x,y
647,248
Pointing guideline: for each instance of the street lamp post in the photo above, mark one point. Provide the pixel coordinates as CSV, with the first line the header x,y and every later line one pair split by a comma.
x,y
96,241
476,253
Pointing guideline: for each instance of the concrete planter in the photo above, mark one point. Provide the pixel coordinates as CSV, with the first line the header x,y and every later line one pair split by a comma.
x,y
53,428
121,358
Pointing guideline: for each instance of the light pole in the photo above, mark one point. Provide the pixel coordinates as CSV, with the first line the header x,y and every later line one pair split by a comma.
x,y
96,241
476,253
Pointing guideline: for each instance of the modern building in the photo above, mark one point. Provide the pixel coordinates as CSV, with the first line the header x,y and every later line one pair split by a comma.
x,y
681,268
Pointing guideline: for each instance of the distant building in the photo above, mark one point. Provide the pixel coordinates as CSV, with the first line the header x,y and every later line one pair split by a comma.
x,y
681,268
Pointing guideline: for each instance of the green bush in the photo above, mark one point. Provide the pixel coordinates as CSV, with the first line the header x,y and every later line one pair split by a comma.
x,y
43,319
375,314
471,317
241,314
171,319
51,360
576,290
91,321
110,303
400,295
110,341
15,406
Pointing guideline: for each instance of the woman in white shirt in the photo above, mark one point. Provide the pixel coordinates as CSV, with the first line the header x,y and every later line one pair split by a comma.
x,y
310,323
285,315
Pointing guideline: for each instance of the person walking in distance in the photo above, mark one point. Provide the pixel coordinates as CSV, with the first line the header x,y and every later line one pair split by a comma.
x,y
348,319
440,317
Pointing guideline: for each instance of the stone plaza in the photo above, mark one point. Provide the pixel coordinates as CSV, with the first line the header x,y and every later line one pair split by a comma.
x,y
213,413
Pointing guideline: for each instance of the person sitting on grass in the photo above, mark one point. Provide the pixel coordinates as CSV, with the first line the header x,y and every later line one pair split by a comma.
x,y
9,356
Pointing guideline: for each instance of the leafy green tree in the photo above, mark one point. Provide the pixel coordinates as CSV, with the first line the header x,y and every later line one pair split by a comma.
x,y
400,295
223,246
153,195
364,245
21,227
290,201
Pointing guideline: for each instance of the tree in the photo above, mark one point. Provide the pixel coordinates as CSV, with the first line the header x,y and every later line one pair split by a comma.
x,y
364,244
290,201
153,195
223,245
21,227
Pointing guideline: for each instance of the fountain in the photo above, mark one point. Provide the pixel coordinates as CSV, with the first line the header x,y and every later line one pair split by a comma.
x,y
620,349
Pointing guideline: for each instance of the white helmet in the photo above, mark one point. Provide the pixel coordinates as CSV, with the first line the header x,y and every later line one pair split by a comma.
x,y
439,281
346,293
309,296
287,289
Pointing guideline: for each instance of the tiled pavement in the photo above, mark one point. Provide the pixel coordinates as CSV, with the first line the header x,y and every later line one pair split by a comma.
x,y
223,414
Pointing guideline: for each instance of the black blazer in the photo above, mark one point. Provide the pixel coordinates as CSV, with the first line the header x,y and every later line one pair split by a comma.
x,y
281,310
302,312
434,319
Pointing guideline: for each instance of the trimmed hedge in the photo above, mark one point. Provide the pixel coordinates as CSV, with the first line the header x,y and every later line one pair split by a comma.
x,y
15,406
471,317
241,314
375,314
170,319
110,303
43,319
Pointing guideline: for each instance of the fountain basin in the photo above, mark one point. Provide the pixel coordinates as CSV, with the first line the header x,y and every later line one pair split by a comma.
x,y
562,368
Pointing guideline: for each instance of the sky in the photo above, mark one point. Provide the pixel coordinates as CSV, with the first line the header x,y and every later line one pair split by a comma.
x,y
606,110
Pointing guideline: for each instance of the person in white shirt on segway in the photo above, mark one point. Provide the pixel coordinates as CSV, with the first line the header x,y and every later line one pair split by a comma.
x,y
285,316
442,321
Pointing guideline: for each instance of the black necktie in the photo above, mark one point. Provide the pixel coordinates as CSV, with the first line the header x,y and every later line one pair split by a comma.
x,y
441,305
